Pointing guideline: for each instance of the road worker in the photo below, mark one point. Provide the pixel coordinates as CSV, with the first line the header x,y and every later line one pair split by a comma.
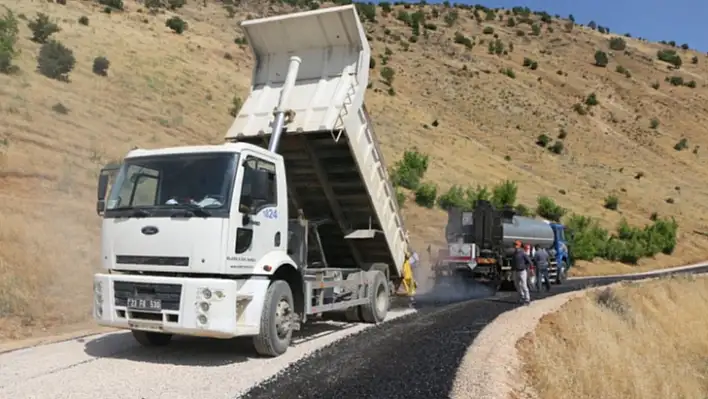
x,y
520,265
540,259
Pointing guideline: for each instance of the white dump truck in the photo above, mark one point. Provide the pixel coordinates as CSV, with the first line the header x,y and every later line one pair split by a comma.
x,y
293,216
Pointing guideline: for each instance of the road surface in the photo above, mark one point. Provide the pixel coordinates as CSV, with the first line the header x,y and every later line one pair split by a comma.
x,y
415,355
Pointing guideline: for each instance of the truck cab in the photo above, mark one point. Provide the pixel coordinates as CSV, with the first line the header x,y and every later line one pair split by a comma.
x,y
561,252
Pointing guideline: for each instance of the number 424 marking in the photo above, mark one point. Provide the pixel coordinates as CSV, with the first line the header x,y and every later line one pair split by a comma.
x,y
270,213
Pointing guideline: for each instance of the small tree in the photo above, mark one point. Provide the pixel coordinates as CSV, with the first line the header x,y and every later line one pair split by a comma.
x,y
177,24
425,195
410,169
618,44
42,28
100,66
547,208
601,59
55,60
504,194
8,38
387,73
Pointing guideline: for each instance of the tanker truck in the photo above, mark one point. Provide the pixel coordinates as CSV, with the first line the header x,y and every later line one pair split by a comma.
x,y
481,242
292,217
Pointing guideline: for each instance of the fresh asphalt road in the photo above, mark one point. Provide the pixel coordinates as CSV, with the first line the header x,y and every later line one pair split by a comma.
x,y
415,355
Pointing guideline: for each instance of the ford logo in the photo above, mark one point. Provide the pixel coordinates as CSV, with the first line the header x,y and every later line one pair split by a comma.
x,y
149,230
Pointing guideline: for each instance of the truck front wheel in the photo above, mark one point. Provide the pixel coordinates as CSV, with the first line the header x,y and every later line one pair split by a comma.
x,y
276,320
149,338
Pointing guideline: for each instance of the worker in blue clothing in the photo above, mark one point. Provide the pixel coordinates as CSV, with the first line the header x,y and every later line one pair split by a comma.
x,y
541,260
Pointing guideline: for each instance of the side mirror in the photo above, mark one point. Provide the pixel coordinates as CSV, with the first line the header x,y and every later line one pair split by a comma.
x,y
101,193
103,181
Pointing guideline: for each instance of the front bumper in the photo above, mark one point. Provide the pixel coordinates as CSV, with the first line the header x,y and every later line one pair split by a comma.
x,y
217,308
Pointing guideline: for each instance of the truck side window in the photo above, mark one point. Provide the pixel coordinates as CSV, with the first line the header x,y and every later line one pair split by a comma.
x,y
254,166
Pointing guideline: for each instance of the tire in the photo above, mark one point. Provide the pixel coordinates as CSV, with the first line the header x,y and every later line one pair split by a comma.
x,y
149,338
353,315
376,309
561,271
275,328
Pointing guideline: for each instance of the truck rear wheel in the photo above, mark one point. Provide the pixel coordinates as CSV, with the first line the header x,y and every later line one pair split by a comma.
x,y
149,338
276,320
376,309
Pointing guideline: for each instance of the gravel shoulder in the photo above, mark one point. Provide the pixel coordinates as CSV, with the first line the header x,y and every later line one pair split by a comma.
x,y
115,366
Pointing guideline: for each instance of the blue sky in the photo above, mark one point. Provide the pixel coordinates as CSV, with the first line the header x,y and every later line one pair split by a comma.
x,y
680,20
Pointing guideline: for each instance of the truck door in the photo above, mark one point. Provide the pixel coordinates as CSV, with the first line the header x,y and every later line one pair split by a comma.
x,y
258,224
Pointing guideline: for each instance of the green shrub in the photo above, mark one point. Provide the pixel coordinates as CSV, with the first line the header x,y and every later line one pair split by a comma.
x,y
236,104
504,194
176,24
488,30
591,100
400,197
55,60
42,28
425,195
628,245
681,145
548,209
535,29
611,202
9,30
367,12
83,20
462,39
100,66
409,171
675,80
654,123
557,147
387,73
543,140
601,58
617,44
115,4
669,56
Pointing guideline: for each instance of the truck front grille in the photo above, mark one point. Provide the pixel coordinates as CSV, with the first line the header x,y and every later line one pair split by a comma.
x,y
152,260
169,294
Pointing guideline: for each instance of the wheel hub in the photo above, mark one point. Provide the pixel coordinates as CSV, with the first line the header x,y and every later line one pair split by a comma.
x,y
381,299
282,318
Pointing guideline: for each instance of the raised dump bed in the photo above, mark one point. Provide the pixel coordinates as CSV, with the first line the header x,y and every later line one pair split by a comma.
x,y
334,166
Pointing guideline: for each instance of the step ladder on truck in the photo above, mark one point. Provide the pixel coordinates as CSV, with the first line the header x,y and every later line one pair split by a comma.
x,y
292,217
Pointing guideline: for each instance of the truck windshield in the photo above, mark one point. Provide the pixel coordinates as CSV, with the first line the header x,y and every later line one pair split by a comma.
x,y
159,184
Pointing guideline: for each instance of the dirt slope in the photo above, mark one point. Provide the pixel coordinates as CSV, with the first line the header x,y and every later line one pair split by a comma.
x,y
166,89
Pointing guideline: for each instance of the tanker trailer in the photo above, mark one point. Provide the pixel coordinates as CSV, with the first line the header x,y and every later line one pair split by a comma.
x,y
493,232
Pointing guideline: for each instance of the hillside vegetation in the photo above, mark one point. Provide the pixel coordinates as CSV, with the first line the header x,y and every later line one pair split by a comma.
x,y
636,340
604,128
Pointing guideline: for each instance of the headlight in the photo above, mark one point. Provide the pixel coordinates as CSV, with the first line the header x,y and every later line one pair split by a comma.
x,y
204,306
206,293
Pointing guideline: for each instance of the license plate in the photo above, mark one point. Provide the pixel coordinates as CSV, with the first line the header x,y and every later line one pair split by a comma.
x,y
144,304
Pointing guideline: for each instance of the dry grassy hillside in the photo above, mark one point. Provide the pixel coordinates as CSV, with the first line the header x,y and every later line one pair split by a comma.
x,y
165,89
636,340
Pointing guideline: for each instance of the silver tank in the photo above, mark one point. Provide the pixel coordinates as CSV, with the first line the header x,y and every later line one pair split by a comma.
x,y
528,231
